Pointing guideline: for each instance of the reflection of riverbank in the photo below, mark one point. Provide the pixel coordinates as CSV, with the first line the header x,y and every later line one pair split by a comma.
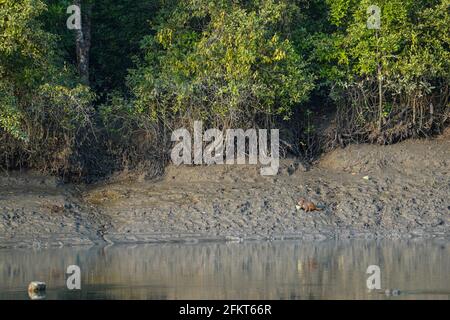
x,y
253,270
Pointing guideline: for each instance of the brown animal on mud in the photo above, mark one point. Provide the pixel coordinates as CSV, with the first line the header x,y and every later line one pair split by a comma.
x,y
308,206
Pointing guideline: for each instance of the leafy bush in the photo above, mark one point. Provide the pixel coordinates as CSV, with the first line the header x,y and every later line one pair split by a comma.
x,y
44,114
220,61
131,140
242,63
390,83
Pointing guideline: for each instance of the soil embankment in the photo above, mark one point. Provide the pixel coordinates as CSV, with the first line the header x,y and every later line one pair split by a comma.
x,y
401,190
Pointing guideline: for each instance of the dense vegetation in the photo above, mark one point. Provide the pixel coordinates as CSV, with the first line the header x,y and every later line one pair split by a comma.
x,y
105,97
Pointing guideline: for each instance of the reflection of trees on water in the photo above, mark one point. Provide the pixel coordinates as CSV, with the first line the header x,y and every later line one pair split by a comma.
x,y
267,270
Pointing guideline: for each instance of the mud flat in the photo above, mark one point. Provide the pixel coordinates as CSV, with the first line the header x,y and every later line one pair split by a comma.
x,y
366,191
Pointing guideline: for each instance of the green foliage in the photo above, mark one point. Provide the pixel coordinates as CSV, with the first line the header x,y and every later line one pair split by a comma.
x,y
19,55
118,26
410,32
9,114
388,76
42,109
241,63
220,61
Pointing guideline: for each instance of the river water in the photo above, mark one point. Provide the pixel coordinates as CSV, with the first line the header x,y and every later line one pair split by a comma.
x,y
249,270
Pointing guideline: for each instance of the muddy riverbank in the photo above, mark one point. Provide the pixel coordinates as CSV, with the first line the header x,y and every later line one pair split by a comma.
x,y
365,191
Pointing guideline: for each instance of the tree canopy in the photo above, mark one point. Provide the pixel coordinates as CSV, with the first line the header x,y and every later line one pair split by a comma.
x,y
150,66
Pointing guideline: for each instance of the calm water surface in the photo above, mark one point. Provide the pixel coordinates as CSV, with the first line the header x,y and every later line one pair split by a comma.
x,y
253,270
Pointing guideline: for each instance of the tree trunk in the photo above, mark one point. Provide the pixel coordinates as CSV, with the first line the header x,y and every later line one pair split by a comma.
x,y
83,41
380,85
380,99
